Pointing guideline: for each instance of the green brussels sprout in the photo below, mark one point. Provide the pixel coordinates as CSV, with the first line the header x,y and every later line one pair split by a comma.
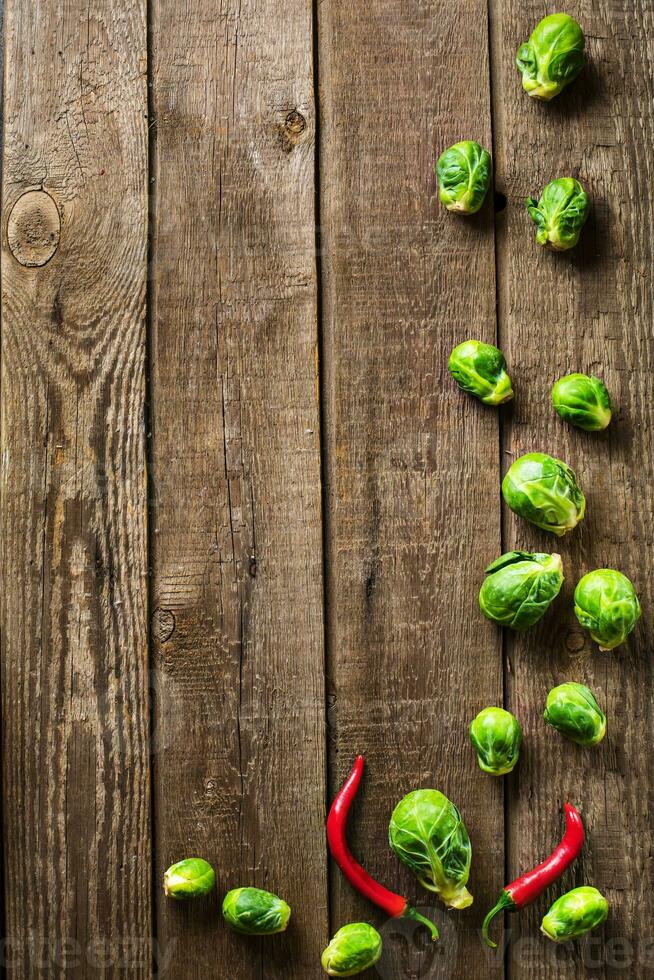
x,y
255,912
428,835
607,606
519,587
575,914
582,400
544,490
353,949
190,878
572,709
560,214
552,57
480,369
496,736
464,174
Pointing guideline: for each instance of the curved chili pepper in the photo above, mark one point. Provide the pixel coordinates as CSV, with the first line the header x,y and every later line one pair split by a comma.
x,y
392,904
526,889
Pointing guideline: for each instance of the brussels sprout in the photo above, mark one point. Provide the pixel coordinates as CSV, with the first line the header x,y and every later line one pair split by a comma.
x,y
428,835
255,912
607,606
582,400
544,490
572,709
480,369
190,878
560,213
519,586
464,173
353,949
496,736
575,914
552,57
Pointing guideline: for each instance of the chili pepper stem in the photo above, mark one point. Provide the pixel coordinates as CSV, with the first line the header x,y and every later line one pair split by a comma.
x,y
504,904
410,913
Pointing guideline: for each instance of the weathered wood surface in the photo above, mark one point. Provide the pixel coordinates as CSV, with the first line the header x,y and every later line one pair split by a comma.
x,y
73,510
590,310
412,465
237,547
249,740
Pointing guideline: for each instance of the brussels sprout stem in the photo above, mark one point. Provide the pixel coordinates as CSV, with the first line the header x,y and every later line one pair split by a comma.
x,y
460,899
544,93
410,913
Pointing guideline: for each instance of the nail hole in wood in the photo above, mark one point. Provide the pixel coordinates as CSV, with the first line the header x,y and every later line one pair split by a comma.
x,y
499,202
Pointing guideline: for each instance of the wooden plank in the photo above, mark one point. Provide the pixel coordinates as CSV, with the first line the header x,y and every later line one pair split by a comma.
x,y
73,506
2,870
240,766
590,310
412,464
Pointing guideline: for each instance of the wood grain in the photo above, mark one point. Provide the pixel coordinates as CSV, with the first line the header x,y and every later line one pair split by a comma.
x,y
237,545
412,464
589,310
240,763
73,505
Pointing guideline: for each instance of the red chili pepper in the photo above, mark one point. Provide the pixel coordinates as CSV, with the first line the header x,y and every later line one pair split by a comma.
x,y
392,904
526,889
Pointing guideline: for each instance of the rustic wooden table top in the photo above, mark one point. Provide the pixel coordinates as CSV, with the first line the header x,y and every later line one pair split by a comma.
x,y
246,512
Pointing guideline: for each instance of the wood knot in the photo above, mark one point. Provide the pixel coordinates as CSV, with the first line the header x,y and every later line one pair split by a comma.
x,y
575,641
163,624
34,228
291,130
295,123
